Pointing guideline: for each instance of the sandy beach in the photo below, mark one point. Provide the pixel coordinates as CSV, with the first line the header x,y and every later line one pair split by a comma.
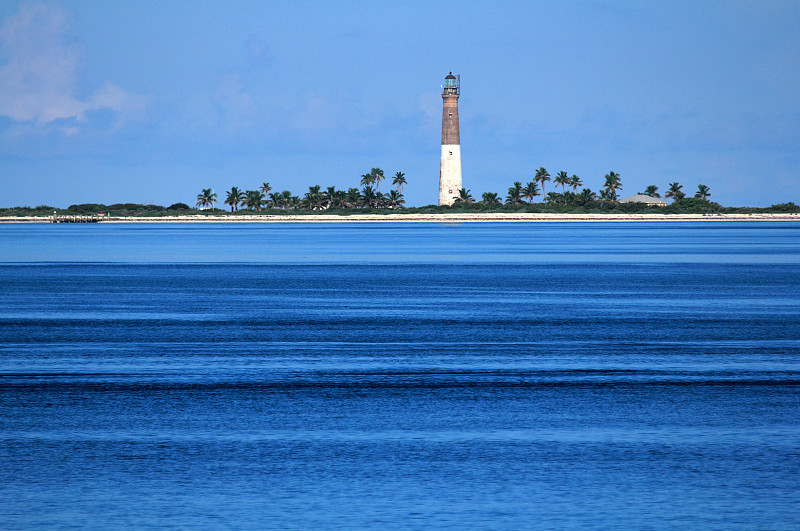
x,y
429,218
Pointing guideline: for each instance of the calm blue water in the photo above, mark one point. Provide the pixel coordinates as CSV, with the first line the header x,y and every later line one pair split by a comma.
x,y
400,376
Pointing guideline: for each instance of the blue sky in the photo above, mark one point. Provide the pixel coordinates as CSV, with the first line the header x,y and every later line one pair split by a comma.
x,y
151,101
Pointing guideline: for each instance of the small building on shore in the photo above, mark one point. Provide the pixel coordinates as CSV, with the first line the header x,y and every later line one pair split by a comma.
x,y
646,199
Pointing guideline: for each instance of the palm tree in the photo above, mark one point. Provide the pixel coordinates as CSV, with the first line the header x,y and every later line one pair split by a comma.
x,y
399,180
313,199
674,191
490,198
276,200
554,198
234,197
265,189
395,199
575,182
541,177
339,199
514,196
368,197
464,196
329,195
530,191
377,177
314,190
253,199
354,198
652,191
206,198
613,183
284,199
703,191
563,179
587,196
366,179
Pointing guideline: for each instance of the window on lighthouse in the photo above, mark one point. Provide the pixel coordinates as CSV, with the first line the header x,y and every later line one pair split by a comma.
x,y
450,114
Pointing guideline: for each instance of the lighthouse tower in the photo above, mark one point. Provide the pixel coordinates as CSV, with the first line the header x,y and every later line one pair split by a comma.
x,y
450,167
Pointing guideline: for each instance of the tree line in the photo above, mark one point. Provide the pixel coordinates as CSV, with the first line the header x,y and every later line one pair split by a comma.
x,y
572,193
518,193
368,196
572,197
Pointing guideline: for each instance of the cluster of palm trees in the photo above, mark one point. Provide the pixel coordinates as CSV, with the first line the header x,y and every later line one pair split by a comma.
x,y
675,191
519,193
369,196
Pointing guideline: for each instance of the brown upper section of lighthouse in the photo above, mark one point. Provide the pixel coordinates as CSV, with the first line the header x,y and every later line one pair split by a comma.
x,y
450,93
450,120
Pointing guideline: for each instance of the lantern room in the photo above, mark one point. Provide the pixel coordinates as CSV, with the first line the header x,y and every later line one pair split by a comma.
x,y
452,84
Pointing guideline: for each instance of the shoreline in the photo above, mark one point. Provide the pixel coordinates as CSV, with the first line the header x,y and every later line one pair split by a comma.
x,y
430,218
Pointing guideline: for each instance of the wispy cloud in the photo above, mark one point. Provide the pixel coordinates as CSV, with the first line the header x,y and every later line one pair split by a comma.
x,y
237,107
40,68
259,53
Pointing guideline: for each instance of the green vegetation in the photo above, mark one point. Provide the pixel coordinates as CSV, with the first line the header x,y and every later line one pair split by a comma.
x,y
464,196
399,180
702,191
234,198
370,200
541,177
207,198
674,192
652,191
613,183
88,209
491,198
26,211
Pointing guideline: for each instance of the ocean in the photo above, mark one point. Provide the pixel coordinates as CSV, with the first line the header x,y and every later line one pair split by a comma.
x,y
400,375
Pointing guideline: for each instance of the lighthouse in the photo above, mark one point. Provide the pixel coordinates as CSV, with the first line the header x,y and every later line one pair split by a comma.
x,y
450,167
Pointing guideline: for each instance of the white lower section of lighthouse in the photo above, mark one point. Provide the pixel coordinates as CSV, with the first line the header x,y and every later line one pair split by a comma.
x,y
449,174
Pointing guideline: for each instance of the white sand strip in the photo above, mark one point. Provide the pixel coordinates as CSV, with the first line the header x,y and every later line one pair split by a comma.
x,y
428,218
